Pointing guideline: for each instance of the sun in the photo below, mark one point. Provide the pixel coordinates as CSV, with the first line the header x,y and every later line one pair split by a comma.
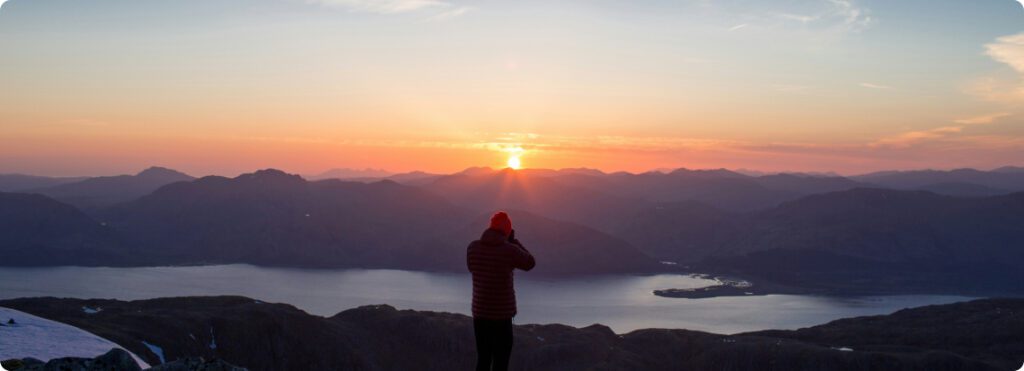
x,y
514,163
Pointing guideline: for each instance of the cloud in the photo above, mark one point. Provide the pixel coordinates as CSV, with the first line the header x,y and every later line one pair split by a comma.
x,y
741,26
839,15
982,120
1008,50
382,6
911,138
450,14
875,86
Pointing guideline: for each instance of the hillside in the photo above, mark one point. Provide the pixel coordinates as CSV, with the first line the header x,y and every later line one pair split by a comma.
x,y
861,239
978,335
38,231
100,192
273,218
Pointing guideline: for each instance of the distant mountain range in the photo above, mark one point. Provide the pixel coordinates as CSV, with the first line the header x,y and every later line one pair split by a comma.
x,y
100,192
976,335
814,232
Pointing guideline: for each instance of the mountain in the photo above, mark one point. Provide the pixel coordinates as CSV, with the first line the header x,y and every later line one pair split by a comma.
x,y
95,193
345,173
720,188
1009,169
19,182
977,335
484,190
962,189
682,232
861,239
561,248
273,218
38,231
1000,179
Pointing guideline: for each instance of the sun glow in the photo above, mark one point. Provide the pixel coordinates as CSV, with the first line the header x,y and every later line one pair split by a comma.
x,y
514,162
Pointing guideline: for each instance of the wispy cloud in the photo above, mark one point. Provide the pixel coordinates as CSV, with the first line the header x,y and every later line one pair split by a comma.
x,y
841,15
738,27
875,86
450,14
982,120
382,6
911,138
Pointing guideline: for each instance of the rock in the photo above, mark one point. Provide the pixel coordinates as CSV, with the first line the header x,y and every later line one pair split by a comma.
x,y
114,360
12,364
197,364
976,335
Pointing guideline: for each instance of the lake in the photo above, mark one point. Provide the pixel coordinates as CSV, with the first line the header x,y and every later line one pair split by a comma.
x,y
622,302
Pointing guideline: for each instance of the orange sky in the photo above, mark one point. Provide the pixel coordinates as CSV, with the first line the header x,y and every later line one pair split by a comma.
x,y
206,87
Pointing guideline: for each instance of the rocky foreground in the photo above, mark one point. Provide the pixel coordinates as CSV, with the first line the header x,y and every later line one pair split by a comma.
x,y
979,335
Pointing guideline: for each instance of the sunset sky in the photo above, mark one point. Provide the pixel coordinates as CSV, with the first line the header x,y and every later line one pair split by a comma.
x,y
95,87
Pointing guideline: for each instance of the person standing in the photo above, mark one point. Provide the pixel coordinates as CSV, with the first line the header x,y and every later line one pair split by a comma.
x,y
491,260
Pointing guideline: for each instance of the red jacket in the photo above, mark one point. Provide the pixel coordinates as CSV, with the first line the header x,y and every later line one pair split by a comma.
x,y
491,260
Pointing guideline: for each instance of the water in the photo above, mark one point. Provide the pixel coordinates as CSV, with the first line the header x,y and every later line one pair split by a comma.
x,y
622,302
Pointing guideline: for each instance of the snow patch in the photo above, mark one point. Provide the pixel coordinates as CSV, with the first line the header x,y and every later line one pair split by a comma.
x,y
213,340
88,310
156,350
44,339
843,349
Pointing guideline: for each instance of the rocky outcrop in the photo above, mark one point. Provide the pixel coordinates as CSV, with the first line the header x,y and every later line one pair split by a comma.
x,y
115,360
978,335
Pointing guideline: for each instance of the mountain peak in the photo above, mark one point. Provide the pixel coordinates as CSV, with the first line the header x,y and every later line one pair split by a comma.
x,y
162,172
272,176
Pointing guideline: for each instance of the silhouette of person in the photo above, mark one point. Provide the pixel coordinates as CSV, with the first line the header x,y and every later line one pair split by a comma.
x,y
491,260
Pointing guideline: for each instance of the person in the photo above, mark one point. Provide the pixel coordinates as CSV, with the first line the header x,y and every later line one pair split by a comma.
x,y
491,260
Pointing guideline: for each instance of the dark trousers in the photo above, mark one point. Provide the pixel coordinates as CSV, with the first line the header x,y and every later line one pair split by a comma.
x,y
493,344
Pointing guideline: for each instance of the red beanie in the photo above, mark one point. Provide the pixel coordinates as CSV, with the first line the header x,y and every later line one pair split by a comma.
x,y
501,222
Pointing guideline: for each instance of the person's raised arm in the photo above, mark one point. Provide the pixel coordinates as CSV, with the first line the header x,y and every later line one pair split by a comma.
x,y
521,257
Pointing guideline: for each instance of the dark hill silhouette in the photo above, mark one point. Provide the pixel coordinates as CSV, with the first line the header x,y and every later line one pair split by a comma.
x,y
1000,179
720,188
485,190
21,182
1009,169
871,239
273,218
95,193
962,189
977,335
858,240
560,248
682,232
36,230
